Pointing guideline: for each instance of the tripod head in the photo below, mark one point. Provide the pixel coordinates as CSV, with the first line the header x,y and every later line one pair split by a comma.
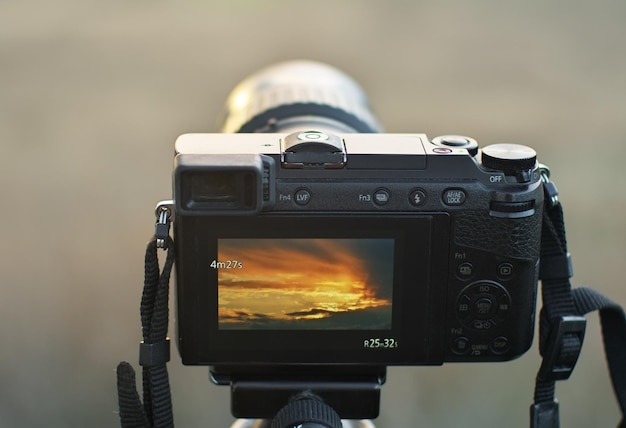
x,y
264,423
351,392
307,409
304,410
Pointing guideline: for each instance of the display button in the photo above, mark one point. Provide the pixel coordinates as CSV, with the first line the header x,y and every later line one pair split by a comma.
x,y
302,197
454,197
417,197
499,345
381,196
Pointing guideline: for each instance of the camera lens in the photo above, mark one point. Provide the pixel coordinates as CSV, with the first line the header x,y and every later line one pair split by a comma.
x,y
293,95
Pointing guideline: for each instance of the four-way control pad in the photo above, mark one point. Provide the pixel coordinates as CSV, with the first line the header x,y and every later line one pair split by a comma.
x,y
482,305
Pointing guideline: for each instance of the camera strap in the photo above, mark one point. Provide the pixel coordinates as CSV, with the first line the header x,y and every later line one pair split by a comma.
x,y
561,329
154,350
562,324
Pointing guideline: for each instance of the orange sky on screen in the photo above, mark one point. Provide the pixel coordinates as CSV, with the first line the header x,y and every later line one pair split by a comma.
x,y
282,283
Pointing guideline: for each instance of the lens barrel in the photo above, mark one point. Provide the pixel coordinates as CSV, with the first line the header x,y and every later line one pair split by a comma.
x,y
296,95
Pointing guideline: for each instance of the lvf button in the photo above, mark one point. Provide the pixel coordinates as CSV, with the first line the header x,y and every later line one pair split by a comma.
x,y
454,197
302,196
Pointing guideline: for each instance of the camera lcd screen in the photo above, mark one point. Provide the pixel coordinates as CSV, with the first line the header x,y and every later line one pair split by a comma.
x,y
311,289
305,284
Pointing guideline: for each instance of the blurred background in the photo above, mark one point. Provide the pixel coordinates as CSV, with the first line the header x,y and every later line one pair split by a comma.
x,y
93,94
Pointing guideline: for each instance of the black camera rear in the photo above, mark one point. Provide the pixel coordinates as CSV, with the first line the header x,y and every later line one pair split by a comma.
x,y
313,253
416,253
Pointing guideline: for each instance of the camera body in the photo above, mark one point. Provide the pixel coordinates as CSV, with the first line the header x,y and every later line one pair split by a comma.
x,y
313,248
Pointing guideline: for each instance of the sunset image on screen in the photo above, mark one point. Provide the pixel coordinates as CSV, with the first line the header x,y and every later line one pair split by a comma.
x,y
305,283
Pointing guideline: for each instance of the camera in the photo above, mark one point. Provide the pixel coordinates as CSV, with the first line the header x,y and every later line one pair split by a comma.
x,y
313,248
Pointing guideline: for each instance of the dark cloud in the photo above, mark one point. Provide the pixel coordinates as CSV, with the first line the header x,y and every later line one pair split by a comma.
x,y
378,318
314,311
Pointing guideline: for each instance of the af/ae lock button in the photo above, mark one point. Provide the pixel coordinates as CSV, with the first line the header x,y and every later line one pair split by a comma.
x,y
454,197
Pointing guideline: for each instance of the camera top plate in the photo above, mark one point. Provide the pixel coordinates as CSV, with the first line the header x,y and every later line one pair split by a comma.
x,y
364,151
445,157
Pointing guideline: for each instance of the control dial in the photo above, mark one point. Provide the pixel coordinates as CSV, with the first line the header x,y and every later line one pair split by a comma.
x,y
512,159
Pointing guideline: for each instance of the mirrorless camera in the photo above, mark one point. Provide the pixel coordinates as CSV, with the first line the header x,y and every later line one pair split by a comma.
x,y
320,248
309,249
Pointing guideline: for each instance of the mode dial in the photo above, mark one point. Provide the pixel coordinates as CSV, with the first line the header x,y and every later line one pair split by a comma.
x,y
512,159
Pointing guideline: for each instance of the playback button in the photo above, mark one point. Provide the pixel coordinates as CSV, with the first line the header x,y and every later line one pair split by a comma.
x,y
505,270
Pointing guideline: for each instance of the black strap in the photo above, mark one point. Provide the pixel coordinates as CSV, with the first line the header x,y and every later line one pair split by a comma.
x,y
562,329
562,325
132,414
613,323
156,411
